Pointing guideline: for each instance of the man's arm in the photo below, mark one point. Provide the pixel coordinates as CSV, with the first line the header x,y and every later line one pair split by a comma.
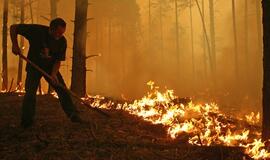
x,y
55,70
13,35
60,57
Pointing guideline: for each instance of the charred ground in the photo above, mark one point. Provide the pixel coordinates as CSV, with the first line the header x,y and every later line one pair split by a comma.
x,y
123,136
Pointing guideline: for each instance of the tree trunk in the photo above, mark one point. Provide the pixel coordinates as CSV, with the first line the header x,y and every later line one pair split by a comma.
x,y
177,34
38,11
78,80
110,42
161,29
213,37
31,11
206,36
246,44
20,66
53,12
204,44
192,40
149,25
97,78
235,40
259,25
266,69
123,57
4,47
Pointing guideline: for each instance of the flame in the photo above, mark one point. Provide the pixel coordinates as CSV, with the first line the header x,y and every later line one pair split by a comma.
x,y
253,118
3,91
54,94
256,149
205,123
20,89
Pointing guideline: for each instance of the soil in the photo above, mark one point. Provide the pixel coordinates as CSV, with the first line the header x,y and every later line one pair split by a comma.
x,y
121,137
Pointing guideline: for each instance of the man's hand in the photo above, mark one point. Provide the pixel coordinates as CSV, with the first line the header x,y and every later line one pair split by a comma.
x,y
16,49
45,54
54,80
54,72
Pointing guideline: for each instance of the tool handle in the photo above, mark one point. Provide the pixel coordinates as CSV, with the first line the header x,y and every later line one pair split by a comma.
x,y
35,66
63,87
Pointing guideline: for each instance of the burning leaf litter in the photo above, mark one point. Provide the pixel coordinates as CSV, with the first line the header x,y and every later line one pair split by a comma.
x,y
205,123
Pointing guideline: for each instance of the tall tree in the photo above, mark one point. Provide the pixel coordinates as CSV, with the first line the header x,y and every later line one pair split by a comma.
x,y
53,4
259,25
38,11
161,28
201,12
192,38
213,36
53,13
4,47
149,23
205,59
246,47
31,11
177,33
266,69
78,79
20,65
235,39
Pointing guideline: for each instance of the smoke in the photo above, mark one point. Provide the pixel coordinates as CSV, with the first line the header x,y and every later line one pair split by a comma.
x,y
135,50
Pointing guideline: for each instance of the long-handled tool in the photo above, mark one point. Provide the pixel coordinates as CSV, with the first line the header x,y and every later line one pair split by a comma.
x,y
62,87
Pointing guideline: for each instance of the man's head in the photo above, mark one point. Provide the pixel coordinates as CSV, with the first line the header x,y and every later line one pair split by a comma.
x,y
57,28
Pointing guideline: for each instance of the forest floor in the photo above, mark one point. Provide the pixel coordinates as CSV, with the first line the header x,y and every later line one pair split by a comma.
x,y
121,137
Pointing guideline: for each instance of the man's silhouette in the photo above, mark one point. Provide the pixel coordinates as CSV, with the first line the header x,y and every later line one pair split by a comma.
x,y
47,50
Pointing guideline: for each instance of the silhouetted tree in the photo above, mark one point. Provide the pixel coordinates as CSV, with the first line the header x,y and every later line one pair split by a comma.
x,y
205,58
20,65
266,69
53,4
192,38
213,35
4,47
178,5
149,23
78,79
202,15
31,11
259,25
162,7
177,33
235,38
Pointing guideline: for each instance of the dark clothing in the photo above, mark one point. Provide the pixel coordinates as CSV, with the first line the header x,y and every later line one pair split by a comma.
x,y
39,38
29,102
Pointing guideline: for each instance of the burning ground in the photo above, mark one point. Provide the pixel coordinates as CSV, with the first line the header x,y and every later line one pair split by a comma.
x,y
157,126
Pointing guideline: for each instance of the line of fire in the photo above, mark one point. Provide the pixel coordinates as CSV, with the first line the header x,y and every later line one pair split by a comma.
x,y
135,79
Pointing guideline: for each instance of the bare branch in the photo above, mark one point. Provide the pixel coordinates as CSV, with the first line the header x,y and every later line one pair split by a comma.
x,y
88,19
45,18
93,55
89,70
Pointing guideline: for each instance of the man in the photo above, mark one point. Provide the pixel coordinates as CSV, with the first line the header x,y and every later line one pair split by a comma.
x,y
47,50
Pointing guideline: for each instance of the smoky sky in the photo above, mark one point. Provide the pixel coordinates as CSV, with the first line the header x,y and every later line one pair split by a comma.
x,y
138,43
